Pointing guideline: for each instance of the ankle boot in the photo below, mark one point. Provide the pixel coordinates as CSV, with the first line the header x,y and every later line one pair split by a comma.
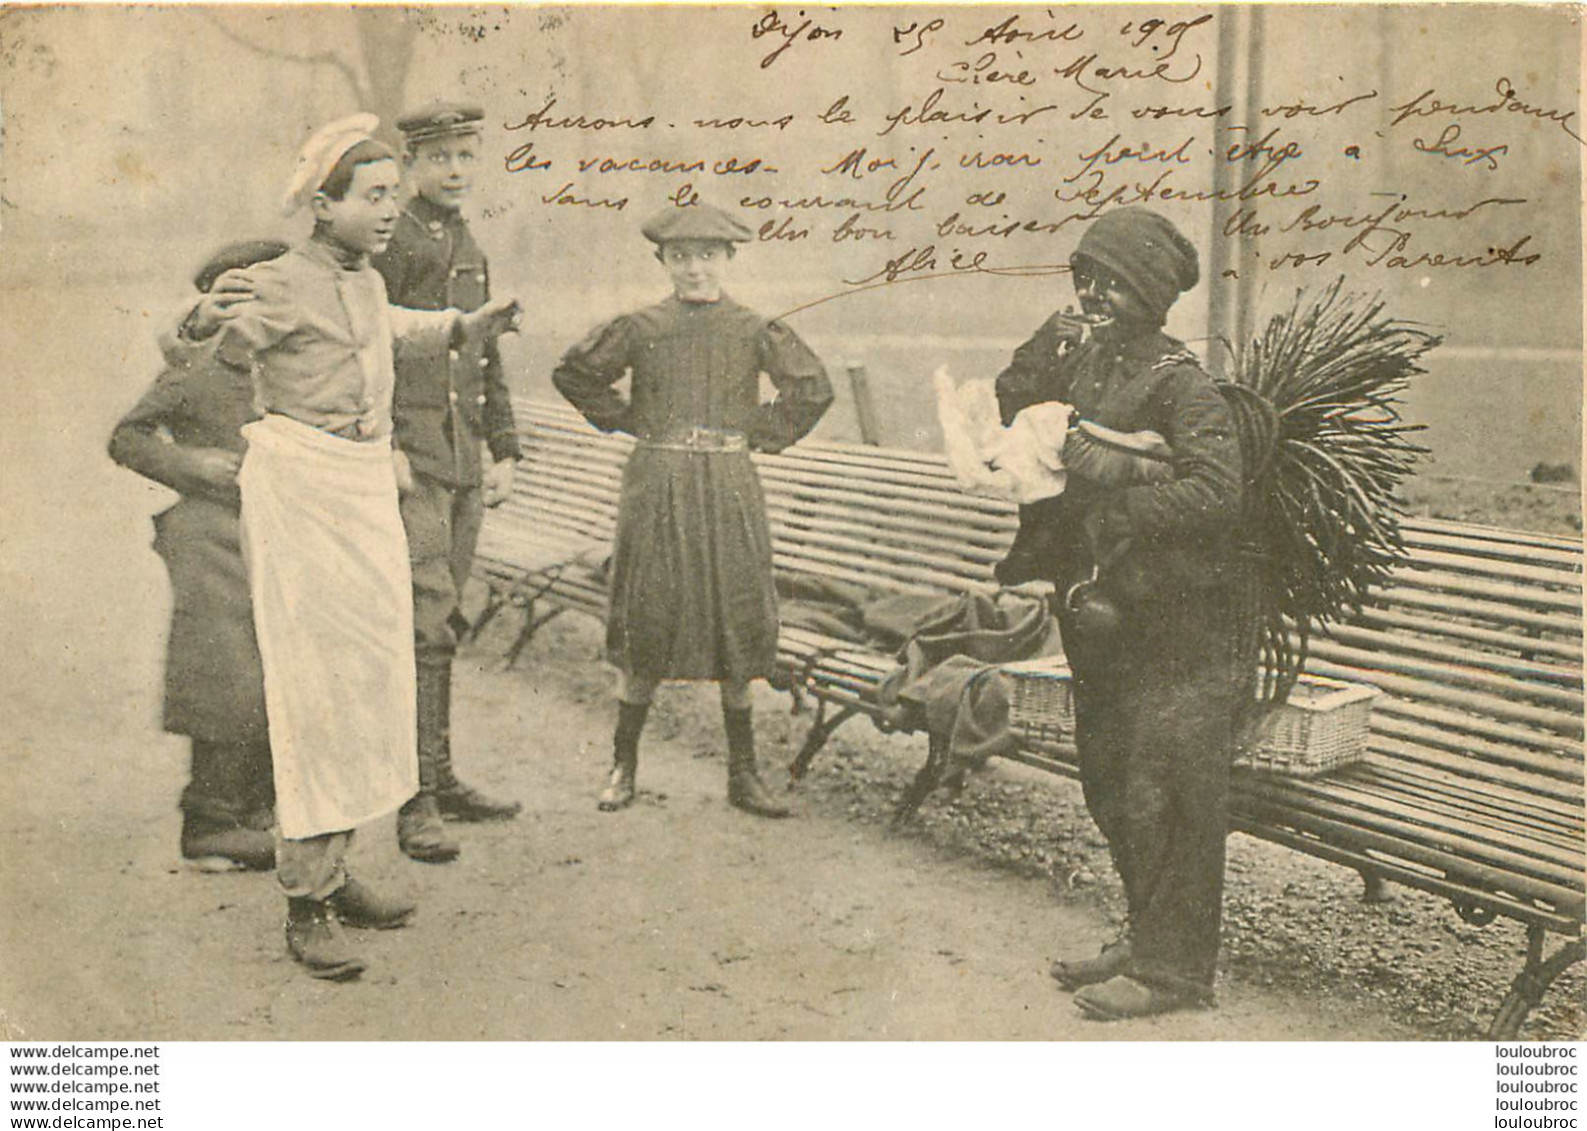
x,y
745,790
224,844
356,906
421,834
316,944
455,800
619,791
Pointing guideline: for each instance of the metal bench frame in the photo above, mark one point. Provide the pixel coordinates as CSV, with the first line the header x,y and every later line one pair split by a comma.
x,y
1472,790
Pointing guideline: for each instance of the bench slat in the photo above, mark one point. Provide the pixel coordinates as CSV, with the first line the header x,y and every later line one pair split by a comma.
x,y
1386,746
1561,844
1551,861
1503,593
1492,867
1494,536
1401,643
1392,867
1491,611
1531,761
1448,675
1478,703
1518,643
1565,580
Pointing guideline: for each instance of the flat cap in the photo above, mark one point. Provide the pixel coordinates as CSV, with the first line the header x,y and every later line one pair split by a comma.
x,y
696,222
235,255
440,119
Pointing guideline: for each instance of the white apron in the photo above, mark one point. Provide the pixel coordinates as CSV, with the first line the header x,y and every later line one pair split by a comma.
x,y
333,609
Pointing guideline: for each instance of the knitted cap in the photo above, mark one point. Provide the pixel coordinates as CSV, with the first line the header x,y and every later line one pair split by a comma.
x,y
1146,251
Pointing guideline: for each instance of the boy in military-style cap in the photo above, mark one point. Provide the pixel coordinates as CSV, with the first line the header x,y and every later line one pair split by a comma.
x,y
447,403
1158,687
185,433
691,583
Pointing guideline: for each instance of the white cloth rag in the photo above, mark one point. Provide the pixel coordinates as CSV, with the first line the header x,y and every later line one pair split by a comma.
x,y
1021,463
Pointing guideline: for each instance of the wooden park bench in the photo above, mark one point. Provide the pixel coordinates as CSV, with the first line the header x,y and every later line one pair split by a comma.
x,y
1473,786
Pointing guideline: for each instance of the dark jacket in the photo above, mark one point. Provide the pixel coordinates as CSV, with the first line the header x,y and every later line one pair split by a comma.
x,y
1155,542
445,402
214,686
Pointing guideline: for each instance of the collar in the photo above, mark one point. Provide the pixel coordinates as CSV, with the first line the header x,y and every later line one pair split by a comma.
x,y
432,217
322,250
1148,347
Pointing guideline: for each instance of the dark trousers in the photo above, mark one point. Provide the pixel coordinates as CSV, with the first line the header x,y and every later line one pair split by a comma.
x,y
1155,706
442,523
230,782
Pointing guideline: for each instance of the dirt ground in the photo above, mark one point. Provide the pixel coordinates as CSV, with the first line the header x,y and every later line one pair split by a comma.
x,y
681,919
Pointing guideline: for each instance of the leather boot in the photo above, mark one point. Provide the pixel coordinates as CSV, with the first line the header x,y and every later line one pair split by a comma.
x,y
216,844
745,790
619,791
217,835
356,906
1114,959
316,944
421,834
455,800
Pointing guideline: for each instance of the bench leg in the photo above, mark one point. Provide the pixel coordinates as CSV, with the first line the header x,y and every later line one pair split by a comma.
x,y
1377,889
820,730
1533,982
494,604
925,781
531,625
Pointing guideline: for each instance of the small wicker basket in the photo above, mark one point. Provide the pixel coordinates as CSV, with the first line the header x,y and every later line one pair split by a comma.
x,y
1322,727
1042,709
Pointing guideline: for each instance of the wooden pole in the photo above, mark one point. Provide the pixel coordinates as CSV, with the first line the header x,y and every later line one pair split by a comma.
x,y
864,404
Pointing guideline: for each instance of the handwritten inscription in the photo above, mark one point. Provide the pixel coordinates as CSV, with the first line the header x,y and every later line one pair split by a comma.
x,y
993,144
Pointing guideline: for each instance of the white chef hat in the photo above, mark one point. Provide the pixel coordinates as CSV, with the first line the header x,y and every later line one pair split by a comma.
x,y
320,154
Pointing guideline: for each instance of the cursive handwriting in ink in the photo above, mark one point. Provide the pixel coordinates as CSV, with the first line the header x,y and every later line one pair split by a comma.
x,y
930,115
1008,33
983,71
523,160
1144,34
541,119
1111,152
925,263
1440,147
1428,104
772,24
1301,108
1084,67
566,196
918,32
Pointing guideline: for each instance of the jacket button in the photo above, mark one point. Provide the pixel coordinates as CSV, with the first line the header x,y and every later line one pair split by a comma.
x,y
480,400
483,362
451,395
452,354
480,278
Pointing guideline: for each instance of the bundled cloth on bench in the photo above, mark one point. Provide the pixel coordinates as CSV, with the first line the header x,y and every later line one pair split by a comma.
x,y
949,649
